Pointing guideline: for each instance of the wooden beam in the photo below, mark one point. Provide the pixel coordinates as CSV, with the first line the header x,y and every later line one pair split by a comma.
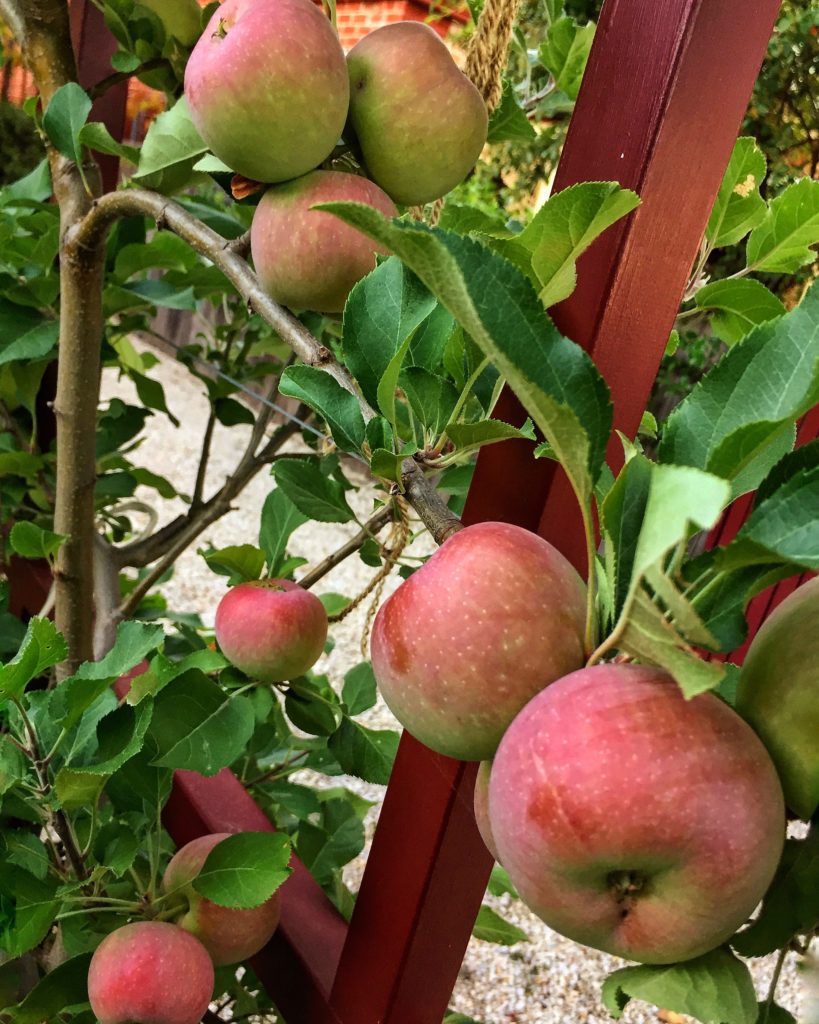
x,y
658,111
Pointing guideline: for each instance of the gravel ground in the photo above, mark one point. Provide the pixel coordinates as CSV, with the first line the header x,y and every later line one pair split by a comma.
x,y
548,980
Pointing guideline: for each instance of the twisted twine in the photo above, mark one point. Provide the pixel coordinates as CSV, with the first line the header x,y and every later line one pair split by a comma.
x,y
486,59
390,551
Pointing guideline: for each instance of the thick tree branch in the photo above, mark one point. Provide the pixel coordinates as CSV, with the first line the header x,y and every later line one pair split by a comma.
x,y
43,32
171,216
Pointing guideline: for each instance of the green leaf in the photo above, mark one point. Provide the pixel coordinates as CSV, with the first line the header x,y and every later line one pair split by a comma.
x,y
36,185
96,136
782,528
163,251
565,52
120,736
469,436
335,404
738,206
13,764
781,243
35,343
431,398
359,691
27,851
500,883
231,413
76,789
326,848
42,647
750,398
381,314
31,541
650,510
366,753
508,121
134,642
171,148
564,227
491,927
313,706
791,905
279,519
314,494
35,907
165,670
738,306
389,382
197,727
554,379
649,637
162,293
65,986
715,989
386,465
775,1014
244,870
239,562
467,220
65,115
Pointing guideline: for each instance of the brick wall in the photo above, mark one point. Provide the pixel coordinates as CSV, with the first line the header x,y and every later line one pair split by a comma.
x,y
355,18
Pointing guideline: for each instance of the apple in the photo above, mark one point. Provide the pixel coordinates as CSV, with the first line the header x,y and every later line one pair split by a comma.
x,y
495,615
419,121
481,807
267,87
272,630
181,19
308,259
230,935
150,972
633,820
778,693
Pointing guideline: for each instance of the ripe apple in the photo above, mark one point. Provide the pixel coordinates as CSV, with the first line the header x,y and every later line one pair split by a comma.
x,y
230,935
481,807
267,87
633,820
495,615
778,693
308,259
272,630
150,972
419,121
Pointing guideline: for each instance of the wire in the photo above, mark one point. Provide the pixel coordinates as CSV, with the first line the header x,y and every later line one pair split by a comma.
x,y
189,356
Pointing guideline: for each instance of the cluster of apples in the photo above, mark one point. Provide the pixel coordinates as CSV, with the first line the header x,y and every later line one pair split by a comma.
x,y
271,93
629,818
161,972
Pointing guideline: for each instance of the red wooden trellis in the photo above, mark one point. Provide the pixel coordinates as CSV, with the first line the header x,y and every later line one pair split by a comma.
x,y
661,103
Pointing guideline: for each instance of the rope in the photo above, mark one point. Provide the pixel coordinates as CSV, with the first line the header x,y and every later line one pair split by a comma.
x,y
486,59
390,551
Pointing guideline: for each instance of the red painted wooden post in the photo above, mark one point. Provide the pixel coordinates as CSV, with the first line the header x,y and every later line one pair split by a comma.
x,y
646,117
